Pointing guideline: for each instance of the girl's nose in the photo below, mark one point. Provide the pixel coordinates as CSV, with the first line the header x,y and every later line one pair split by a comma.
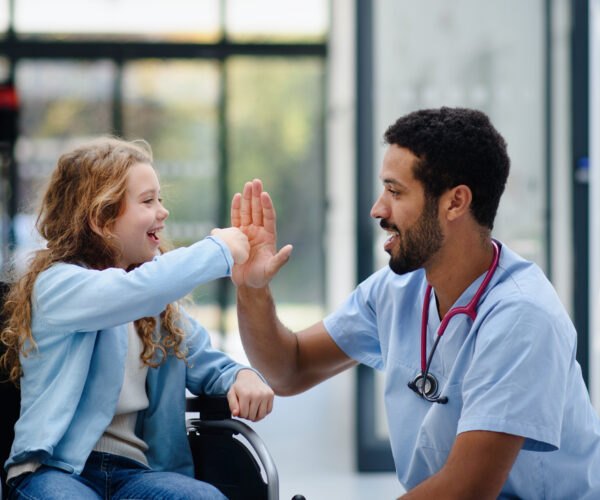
x,y
163,213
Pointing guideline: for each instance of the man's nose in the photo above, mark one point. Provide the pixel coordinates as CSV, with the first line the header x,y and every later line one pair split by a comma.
x,y
379,210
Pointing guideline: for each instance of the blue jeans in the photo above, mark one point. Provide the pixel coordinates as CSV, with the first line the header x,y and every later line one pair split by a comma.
x,y
109,477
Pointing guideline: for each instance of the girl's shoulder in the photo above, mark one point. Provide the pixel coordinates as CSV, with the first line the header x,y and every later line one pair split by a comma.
x,y
63,268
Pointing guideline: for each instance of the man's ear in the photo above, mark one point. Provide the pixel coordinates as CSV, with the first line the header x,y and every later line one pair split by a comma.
x,y
457,201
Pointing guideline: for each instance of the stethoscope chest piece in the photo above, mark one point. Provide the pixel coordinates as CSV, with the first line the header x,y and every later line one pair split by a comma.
x,y
431,385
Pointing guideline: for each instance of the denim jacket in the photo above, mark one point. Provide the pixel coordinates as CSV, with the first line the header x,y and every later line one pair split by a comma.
x,y
71,381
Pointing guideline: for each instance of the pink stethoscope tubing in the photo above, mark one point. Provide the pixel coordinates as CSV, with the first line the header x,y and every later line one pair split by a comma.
x,y
470,310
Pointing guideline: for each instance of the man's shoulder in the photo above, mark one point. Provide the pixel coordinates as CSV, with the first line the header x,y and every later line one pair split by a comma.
x,y
520,286
386,277
385,289
522,279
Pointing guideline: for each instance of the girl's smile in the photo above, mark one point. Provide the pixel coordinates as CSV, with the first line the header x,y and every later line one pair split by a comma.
x,y
137,228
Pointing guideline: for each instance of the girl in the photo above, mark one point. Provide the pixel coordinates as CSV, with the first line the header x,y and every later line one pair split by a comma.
x,y
99,345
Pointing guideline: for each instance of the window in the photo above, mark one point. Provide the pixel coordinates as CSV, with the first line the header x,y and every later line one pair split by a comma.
x,y
121,19
220,100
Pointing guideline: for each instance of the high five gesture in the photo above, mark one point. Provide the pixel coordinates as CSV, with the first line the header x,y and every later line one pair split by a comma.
x,y
254,214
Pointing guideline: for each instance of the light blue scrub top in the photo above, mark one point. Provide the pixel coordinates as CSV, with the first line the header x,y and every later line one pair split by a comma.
x,y
511,370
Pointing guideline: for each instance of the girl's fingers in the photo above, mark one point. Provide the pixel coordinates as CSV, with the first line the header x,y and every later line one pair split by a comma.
x,y
234,406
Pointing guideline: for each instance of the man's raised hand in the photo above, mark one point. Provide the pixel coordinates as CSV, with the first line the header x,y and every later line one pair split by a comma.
x,y
253,212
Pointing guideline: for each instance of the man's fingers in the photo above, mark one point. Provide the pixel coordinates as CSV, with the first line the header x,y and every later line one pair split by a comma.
x,y
268,211
279,259
246,202
236,205
257,209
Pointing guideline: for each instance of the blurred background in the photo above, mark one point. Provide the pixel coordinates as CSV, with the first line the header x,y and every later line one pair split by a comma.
x,y
299,93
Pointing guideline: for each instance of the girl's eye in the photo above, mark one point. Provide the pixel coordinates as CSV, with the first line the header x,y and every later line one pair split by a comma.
x,y
150,200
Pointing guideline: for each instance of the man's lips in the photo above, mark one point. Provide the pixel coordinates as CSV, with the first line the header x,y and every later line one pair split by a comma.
x,y
393,232
389,243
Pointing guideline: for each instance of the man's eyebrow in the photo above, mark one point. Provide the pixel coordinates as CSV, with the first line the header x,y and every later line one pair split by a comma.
x,y
393,182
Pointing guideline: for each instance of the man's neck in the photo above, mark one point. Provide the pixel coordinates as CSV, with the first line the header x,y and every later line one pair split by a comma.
x,y
458,264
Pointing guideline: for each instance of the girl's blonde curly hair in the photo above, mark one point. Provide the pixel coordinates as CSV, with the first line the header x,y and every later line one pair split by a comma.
x,y
86,188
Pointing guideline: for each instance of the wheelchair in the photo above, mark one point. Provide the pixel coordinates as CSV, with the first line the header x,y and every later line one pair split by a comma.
x,y
225,461
241,469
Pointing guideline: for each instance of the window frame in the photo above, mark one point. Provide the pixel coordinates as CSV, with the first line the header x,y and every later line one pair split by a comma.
x,y
16,48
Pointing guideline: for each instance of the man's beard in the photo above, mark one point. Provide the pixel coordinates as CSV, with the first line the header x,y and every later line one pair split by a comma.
x,y
417,244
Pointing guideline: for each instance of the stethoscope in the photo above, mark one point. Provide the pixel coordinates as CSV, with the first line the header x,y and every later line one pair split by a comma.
x,y
428,390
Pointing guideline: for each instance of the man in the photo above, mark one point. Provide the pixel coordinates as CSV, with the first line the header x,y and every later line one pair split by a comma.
x,y
504,411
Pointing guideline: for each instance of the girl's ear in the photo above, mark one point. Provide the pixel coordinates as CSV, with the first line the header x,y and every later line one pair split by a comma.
x,y
95,227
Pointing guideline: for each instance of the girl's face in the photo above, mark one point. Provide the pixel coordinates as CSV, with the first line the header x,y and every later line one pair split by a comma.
x,y
137,228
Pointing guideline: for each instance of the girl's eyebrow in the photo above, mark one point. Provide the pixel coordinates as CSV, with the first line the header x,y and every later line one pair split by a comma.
x,y
148,192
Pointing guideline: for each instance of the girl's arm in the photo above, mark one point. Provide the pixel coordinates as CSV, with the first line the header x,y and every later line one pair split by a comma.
x,y
74,298
211,371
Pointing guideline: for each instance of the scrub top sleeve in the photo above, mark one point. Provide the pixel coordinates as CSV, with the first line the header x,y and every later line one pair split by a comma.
x,y
516,383
353,327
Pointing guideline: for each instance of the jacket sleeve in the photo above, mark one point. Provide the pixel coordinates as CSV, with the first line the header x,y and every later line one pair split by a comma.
x,y
73,298
209,371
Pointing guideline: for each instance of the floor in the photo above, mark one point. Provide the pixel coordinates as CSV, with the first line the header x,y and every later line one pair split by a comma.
x,y
311,439
313,448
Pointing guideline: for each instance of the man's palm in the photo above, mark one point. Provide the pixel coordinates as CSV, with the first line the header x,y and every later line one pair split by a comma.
x,y
255,272
255,215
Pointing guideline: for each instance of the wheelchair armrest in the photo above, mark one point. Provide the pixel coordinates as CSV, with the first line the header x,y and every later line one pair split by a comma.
x,y
215,418
210,406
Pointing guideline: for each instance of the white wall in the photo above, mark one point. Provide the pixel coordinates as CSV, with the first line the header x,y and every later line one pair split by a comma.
x,y
484,55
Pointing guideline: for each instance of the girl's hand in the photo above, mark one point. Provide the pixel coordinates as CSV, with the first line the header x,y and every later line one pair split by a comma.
x,y
249,397
236,241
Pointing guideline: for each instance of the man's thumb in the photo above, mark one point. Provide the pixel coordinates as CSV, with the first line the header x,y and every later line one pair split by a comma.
x,y
279,259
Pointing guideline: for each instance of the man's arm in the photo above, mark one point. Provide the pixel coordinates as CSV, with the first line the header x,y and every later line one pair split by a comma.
x,y
477,468
290,362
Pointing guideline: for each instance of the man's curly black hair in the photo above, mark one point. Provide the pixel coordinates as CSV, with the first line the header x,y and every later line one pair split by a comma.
x,y
456,146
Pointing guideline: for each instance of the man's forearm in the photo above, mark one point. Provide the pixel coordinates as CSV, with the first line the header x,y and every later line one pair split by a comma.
x,y
477,468
271,347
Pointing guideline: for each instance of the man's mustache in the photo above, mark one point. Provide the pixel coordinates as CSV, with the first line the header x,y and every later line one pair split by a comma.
x,y
387,226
